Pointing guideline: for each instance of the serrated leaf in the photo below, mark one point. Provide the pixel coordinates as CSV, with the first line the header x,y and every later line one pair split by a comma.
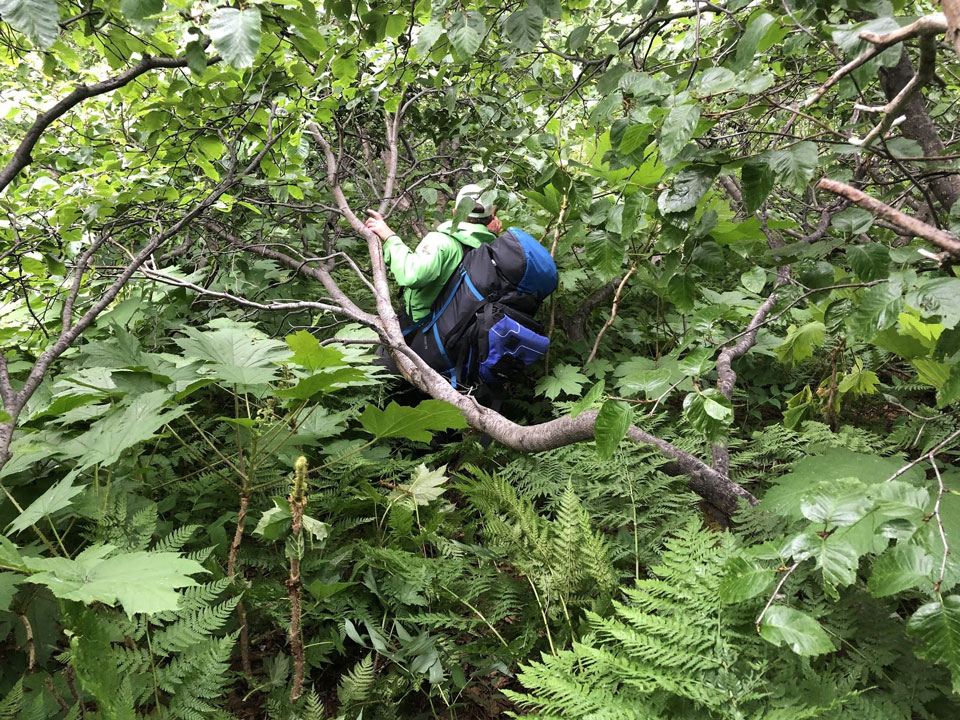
x,y
39,20
800,342
605,252
677,130
275,523
144,582
798,631
593,394
937,297
859,381
413,423
878,310
577,37
8,588
708,412
795,166
840,501
428,36
131,423
196,58
687,187
900,568
697,362
613,422
949,392
743,579
935,628
852,220
682,292
236,35
465,31
325,381
870,261
758,26
310,354
756,182
424,487
715,80
524,27
565,378
234,355
58,497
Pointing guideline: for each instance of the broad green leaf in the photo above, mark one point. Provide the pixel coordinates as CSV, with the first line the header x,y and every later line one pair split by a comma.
x,y
678,129
852,220
870,261
310,354
650,382
634,137
604,253
413,423
743,579
37,19
235,355
324,381
715,80
682,292
697,362
688,186
708,412
9,557
754,280
841,501
465,31
566,379
321,590
798,631
524,27
641,83
276,523
424,487
900,568
56,498
428,36
236,35
938,297
140,9
799,343
757,27
601,112
859,381
613,422
144,582
795,166
878,310
577,37
757,178
8,588
592,396
196,58
784,497
132,423
949,392
935,628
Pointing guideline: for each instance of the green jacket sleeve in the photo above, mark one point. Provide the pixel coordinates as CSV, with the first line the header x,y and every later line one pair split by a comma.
x,y
416,268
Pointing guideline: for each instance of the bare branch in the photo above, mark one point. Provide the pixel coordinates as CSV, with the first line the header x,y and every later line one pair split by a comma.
x,y
915,227
613,315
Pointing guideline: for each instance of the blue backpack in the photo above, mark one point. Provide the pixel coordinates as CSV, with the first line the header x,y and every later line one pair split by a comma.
x,y
480,329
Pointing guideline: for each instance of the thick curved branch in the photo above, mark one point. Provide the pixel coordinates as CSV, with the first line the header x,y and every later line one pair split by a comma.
x,y
22,155
912,225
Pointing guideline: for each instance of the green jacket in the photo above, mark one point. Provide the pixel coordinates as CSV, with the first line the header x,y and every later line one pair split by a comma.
x,y
423,272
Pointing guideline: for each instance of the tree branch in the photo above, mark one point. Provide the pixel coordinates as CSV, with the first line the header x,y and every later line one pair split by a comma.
x,y
912,225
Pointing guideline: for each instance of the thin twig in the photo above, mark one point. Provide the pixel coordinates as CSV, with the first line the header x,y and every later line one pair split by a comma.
x,y
776,592
613,314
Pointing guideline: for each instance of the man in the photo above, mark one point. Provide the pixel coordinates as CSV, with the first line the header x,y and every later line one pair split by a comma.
x,y
423,272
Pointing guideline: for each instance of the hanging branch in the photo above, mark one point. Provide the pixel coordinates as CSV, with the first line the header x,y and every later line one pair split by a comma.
x,y
911,225
613,314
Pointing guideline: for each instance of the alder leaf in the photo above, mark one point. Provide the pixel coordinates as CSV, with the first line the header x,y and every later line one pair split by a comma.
x,y
39,20
524,27
743,579
795,166
613,422
678,129
687,187
757,178
936,629
800,341
900,568
708,412
465,31
798,631
236,35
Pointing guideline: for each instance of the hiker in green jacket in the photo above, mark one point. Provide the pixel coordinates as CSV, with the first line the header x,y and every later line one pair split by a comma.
x,y
423,272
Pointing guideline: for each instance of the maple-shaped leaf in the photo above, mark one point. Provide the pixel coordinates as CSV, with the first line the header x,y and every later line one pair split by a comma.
x,y
413,423
424,487
565,379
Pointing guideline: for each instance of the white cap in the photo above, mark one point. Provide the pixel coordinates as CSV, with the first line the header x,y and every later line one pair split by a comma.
x,y
474,191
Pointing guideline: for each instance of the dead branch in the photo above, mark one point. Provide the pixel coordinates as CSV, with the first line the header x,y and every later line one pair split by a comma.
x,y
951,9
915,227
929,25
613,314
